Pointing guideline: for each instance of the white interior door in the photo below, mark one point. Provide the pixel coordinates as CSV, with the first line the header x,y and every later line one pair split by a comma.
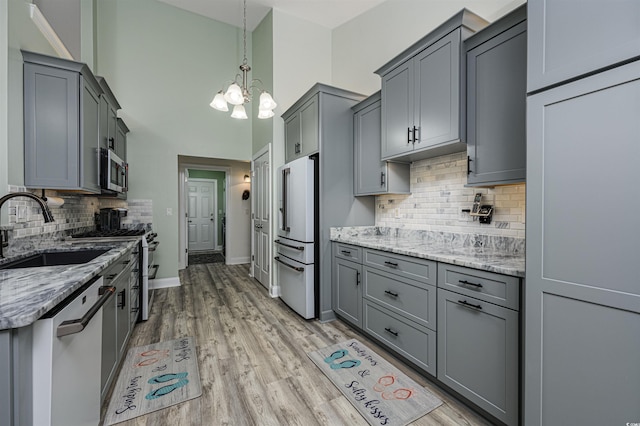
x,y
202,214
261,224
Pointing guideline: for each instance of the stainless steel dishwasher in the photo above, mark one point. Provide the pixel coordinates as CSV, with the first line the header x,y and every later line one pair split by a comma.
x,y
66,359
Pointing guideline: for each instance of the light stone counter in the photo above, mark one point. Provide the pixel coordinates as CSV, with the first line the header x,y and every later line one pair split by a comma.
x,y
28,293
502,255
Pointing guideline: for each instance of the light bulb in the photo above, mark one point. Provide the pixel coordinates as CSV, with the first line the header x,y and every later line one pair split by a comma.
x,y
265,113
234,95
239,112
266,101
219,103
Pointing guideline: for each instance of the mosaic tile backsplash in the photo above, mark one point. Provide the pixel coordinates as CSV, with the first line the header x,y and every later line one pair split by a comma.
x,y
27,230
438,196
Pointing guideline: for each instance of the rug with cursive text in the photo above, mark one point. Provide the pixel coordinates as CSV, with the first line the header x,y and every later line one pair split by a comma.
x,y
154,377
379,391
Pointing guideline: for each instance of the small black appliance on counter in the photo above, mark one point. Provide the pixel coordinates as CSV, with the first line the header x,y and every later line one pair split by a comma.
x,y
109,219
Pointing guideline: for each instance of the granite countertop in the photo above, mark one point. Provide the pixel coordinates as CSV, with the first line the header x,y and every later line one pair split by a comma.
x,y
493,254
28,293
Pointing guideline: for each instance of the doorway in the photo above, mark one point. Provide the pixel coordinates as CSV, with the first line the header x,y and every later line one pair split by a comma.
x,y
202,214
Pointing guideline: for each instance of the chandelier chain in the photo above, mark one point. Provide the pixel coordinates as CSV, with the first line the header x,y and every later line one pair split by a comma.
x,y
244,31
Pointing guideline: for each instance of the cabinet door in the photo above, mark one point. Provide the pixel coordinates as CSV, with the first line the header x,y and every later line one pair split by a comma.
x,y
369,172
397,111
347,293
123,313
309,127
292,142
582,294
570,38
496,108
90,128
437,89
121,143
51,129
478,353
109,345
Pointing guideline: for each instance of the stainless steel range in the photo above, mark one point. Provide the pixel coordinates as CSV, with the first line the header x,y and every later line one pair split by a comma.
x,y
148,268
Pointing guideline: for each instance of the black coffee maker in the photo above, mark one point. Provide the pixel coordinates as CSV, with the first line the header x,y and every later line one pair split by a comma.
x,y
109,219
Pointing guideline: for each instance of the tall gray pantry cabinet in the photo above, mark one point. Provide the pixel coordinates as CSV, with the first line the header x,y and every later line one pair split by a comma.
x,y
324,127
582,283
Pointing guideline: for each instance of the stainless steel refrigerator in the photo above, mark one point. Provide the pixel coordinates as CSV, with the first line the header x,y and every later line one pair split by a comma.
x,y
297,235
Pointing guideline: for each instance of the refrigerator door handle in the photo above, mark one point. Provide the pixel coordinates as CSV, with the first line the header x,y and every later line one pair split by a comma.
x,y
295,268
285,174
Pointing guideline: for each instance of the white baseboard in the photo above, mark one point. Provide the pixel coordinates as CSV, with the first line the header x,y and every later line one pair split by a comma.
x,y
237,260
275,291
164,283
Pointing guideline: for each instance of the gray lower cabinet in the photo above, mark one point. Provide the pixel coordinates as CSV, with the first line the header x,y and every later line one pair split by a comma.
x,y
116,318
496,101
347,290
582,293
478,338
371,175
478,353
423,93
572,38
61,124
301,130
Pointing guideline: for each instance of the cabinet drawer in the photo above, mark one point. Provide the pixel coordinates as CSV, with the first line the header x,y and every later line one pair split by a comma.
x,y
346,251
478,353
502,290
412,299
408,267
415,342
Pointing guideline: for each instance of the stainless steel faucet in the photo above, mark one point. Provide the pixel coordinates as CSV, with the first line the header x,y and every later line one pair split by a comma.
x,y
46,213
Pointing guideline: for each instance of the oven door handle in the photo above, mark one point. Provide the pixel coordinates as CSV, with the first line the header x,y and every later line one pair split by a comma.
x,y
295,268
299,248
77,325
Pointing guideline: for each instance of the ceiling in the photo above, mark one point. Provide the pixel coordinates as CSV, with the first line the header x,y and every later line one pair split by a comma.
x,y
327,13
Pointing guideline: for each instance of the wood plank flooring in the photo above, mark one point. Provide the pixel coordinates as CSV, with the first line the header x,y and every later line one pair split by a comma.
x,y
252,357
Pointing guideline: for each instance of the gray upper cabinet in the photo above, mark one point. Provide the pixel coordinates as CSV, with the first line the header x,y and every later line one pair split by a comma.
x,y
372,176
121,139
496,101
301,130
572,38
423,93
109,107
582,293
61,119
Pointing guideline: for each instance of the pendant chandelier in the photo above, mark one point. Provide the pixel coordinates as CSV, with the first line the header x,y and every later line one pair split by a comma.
x,y
238,92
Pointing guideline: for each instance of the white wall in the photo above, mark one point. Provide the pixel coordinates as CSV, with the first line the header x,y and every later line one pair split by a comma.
x,y
164,65
364,44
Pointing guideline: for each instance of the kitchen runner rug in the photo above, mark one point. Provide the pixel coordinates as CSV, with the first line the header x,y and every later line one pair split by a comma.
x,y
154,377
379,391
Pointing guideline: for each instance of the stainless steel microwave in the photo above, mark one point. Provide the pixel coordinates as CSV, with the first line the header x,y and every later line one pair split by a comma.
x,y
114,172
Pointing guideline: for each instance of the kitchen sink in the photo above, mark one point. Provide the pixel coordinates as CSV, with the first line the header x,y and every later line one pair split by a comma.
x,y
55,258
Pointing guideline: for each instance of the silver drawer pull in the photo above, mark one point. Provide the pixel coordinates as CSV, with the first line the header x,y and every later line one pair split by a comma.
x,y
76,326
390,293
391,264
345,252
299,248
295,268
470,283
388,330
465,303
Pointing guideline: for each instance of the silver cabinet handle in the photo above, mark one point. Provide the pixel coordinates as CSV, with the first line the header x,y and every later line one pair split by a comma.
x,y
295,268
77,325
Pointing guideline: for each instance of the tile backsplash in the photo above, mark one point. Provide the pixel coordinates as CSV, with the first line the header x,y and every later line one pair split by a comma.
x,y
438,196
28,231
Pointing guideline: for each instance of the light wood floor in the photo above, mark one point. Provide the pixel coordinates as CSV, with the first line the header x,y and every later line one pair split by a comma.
x,y
252,357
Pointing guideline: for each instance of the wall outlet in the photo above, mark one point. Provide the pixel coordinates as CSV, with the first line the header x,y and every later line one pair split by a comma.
x,y
396,213
169,211
21,214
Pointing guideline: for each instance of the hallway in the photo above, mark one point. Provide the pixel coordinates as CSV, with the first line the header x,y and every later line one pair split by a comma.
x,y
252,357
